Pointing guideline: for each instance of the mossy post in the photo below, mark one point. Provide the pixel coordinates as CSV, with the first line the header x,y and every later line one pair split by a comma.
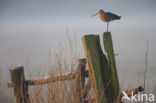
x,y
20,88
99,73
80,79
108,45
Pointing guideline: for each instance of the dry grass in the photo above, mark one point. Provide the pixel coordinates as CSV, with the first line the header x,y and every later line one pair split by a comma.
x,y
58,92
61,91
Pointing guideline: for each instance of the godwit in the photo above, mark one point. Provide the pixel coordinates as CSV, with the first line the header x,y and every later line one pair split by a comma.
x,y
107,17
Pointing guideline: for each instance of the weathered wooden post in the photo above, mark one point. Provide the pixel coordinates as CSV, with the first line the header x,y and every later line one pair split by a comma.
x,y
108,45
80,79
98,67
102,70
20,87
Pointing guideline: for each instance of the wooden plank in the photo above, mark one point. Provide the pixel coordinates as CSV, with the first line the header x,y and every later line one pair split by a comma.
x,y
80,79
135,91
98,66
20,88
49,79
108,45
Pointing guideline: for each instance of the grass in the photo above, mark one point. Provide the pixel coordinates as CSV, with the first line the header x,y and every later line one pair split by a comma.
x,y
58,92
58,64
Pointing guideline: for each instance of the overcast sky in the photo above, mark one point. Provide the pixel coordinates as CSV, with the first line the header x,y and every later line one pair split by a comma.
x,y
36,25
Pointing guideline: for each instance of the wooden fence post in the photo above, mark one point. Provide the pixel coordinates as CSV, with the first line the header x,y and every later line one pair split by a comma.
x,y
80,79
98,67
20,88
108,45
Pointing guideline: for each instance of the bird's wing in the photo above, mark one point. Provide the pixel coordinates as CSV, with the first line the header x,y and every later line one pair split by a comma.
x,y
110,16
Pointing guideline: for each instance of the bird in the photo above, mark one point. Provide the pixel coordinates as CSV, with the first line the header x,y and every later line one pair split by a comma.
x,y
107,17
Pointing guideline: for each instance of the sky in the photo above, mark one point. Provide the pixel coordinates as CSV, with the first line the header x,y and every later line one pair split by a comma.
x,y
31,27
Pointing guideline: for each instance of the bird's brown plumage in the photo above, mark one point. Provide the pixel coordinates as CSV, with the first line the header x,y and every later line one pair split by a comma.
x,y
107,16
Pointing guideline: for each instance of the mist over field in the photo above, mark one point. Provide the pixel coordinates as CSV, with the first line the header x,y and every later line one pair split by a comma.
x,y
30,28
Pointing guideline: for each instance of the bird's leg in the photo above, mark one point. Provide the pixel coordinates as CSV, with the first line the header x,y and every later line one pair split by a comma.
x,y
107,26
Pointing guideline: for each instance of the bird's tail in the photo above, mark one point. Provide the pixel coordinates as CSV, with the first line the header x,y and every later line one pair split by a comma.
x,y
119,17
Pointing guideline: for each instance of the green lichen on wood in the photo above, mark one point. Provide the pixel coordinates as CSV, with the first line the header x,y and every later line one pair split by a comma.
x,y
108,45
98,67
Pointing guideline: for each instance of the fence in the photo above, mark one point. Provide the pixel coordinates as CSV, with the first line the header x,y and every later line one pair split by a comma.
x,y
102,74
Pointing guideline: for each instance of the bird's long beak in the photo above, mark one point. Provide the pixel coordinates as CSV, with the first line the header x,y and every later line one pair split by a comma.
x,y
95,14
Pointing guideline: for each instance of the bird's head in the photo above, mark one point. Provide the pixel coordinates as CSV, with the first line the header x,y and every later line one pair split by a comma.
x,y
99,12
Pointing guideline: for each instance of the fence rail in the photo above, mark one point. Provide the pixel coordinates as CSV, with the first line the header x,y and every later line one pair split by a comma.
x,y
49,79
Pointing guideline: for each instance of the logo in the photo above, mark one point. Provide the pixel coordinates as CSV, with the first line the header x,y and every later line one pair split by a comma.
x,y
137,97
